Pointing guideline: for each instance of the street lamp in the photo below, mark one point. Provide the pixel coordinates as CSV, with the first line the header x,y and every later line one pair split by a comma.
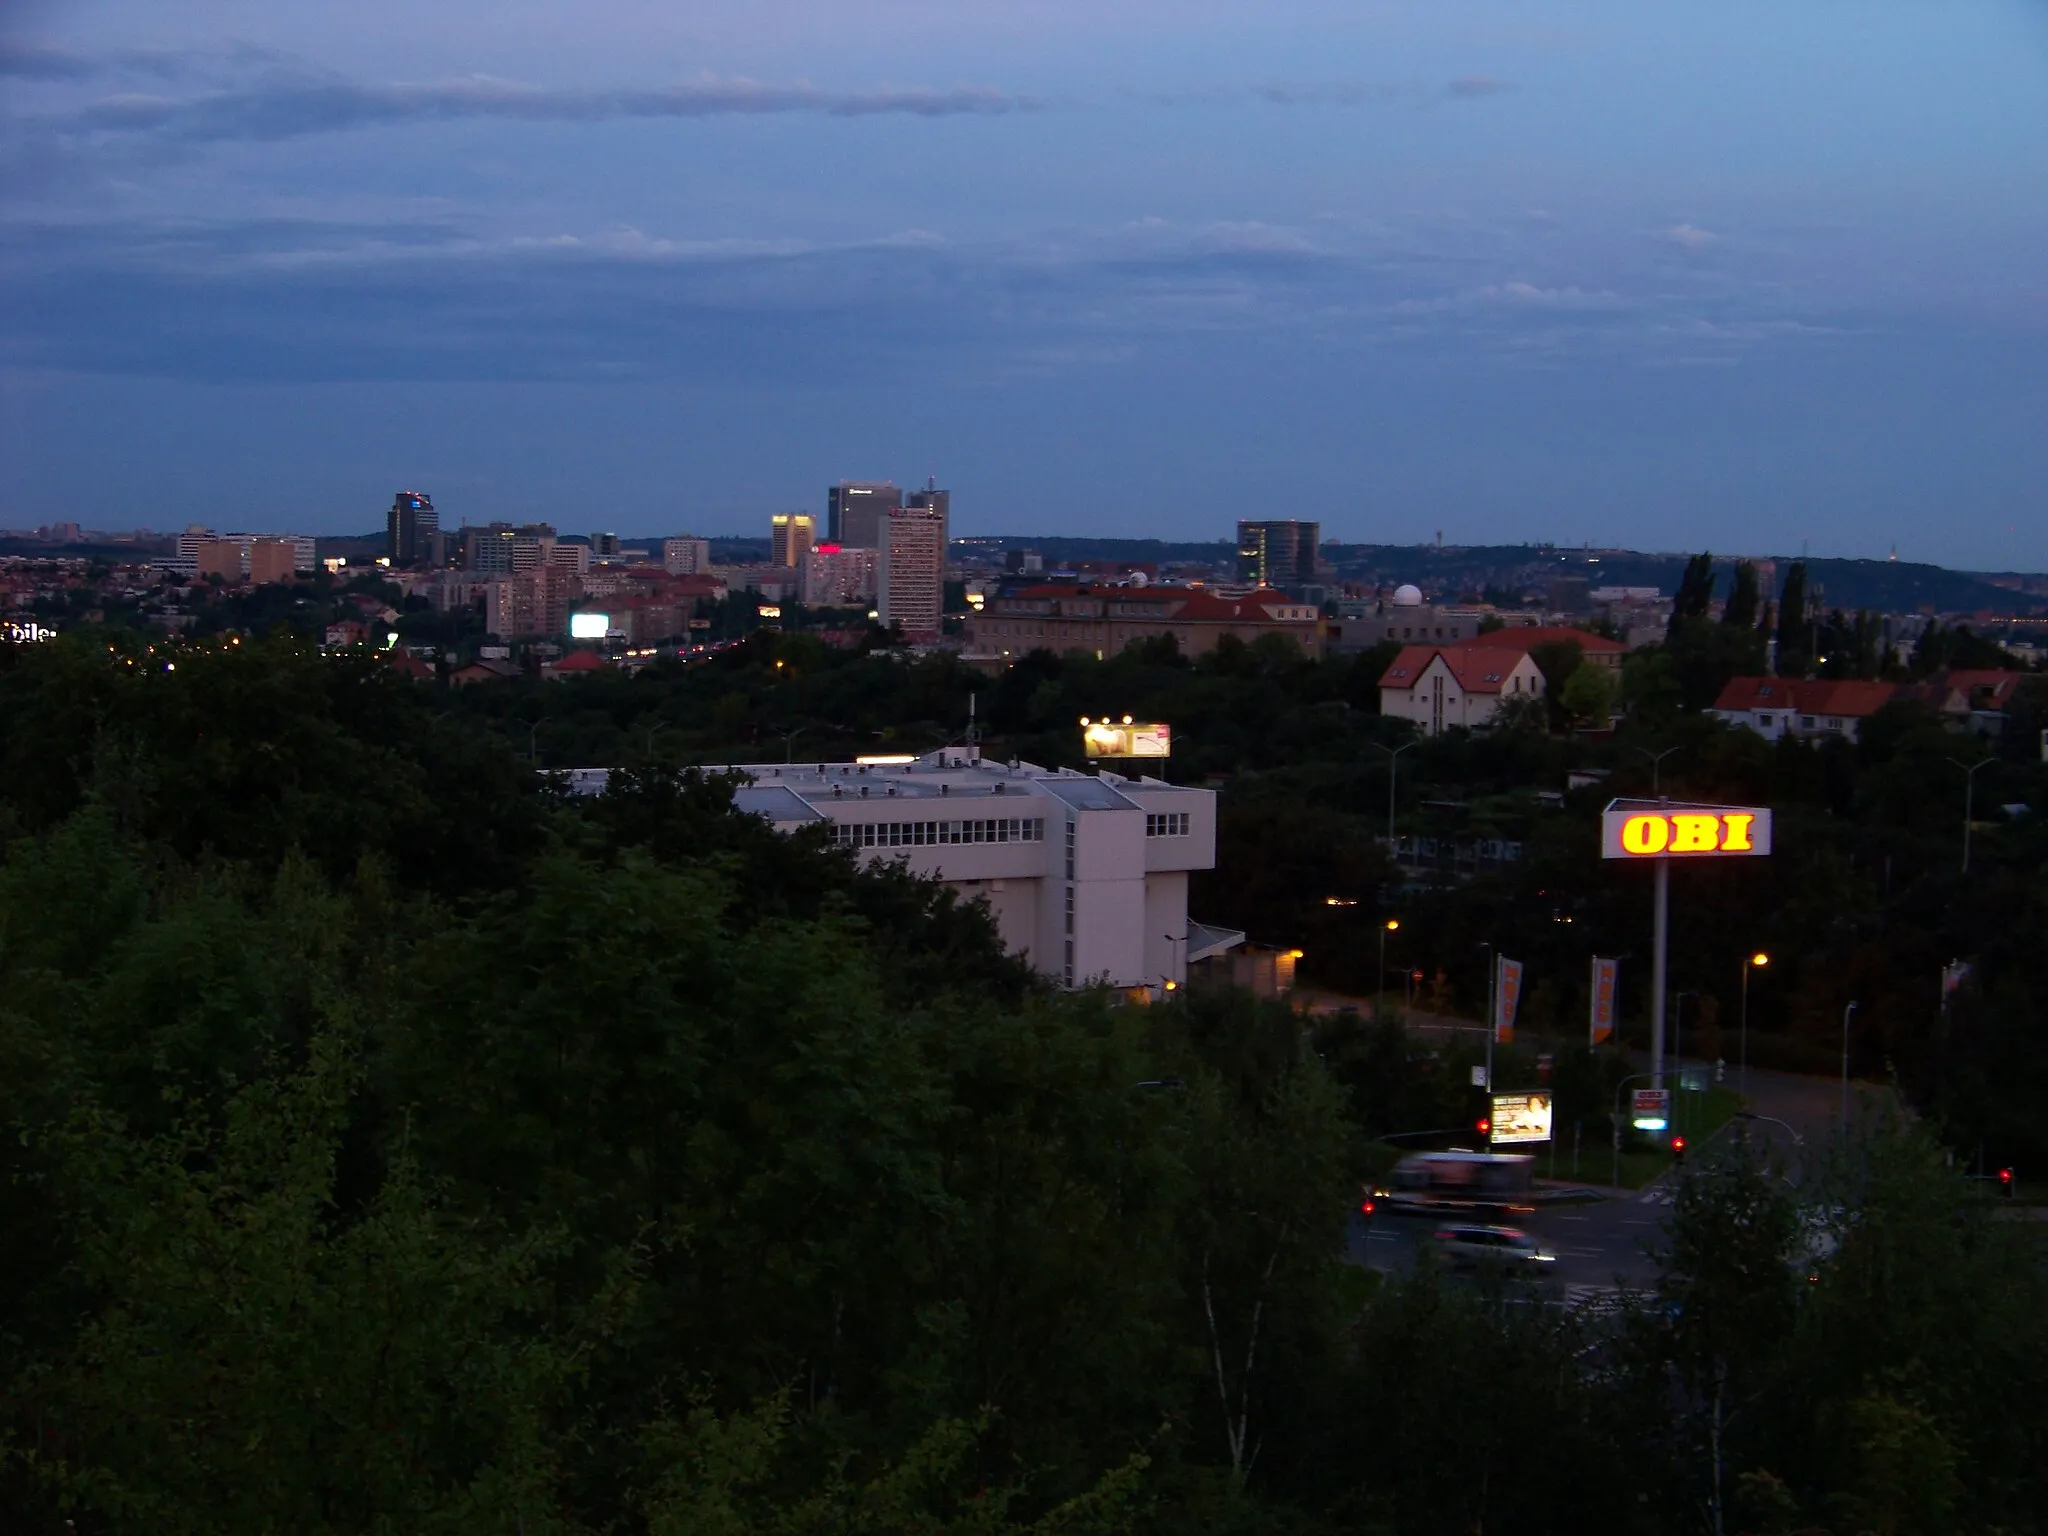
x,y
1847,1014
1393,768
532,738
1171,967
1969,800
1379,980
1656,767
1755,962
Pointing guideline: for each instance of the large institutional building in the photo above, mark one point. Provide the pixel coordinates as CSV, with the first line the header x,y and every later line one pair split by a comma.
x,y
1106,619
1085,874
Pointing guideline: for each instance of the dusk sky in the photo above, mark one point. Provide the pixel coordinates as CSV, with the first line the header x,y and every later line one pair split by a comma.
x,y
1672,275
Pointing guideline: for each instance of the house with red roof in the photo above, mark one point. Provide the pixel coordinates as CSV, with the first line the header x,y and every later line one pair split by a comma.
x,y
1975,698
405,664
1790,706
575,664
1449,687
1598,649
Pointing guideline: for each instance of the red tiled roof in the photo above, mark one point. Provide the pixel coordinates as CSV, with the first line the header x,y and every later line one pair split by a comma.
x,y
1982,687
1524,639
1476,669
579,661
1846,698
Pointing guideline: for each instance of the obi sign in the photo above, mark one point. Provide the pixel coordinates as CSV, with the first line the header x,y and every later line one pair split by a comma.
x,y
1652,829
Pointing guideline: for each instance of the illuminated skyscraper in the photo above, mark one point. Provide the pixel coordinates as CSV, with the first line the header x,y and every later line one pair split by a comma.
x,y
1279,554
910,576
790,536
411,524
854,510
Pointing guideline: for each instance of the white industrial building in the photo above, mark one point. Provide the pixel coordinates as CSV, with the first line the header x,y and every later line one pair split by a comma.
x,y
1086,874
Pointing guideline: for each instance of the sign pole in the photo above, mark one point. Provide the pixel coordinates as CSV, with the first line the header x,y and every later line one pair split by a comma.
x,y
1660,940
1492,1015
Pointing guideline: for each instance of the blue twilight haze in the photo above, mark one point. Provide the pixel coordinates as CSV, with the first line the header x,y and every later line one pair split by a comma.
x,y
1660,273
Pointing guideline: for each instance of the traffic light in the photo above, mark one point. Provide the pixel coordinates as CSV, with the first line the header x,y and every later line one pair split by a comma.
x,y
1483,1126
2005,1182
1678,1149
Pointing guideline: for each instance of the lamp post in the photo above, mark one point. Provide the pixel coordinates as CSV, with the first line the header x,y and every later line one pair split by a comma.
x,y
1656,767
1379,980
533,738
1969,800
1173,980
1393,765
1848,1013
1492,976
1755,962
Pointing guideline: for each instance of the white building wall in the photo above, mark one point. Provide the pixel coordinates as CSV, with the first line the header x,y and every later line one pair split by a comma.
x,y
1166,912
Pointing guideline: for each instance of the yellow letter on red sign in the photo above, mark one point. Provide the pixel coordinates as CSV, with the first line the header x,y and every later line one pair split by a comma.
x,y
1645,834
1695,834
1735,832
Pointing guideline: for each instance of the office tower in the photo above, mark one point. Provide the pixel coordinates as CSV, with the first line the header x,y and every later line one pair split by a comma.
x,y
686,556
790,536
604,546
932,499
910,575
1279,554
488,549
411,522
854,510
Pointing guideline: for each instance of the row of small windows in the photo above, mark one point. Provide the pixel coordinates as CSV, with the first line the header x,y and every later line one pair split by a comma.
x,y
923,834
1167,824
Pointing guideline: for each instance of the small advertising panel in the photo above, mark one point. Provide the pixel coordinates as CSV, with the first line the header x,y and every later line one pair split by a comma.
x,y
1112,738
1605,976
1653,829
1520,1117
1507,1000
1650,1108
588,626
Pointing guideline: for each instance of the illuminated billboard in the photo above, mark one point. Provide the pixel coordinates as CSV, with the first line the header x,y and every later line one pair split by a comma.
x,y
1520,1117
1111,738
589,626
1649,1108
1653,829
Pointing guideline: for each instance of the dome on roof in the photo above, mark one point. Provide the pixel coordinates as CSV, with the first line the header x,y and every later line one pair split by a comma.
x,y
1407,596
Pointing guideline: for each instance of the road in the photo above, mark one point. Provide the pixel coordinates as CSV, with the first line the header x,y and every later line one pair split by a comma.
x,y
1601,1247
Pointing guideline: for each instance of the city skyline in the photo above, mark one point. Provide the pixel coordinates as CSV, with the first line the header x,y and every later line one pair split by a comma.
x,y
1740,280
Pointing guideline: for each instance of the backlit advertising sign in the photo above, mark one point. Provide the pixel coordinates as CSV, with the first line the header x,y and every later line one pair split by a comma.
x,y
1653,829
1605,976
588,626
1520,1117
1649,1108
1109,738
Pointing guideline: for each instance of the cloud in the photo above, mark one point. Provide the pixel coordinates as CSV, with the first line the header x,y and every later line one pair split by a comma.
x,y
1469,87
1690,237
292,108
26,61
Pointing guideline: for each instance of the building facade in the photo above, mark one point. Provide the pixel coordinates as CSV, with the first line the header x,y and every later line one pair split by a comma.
x,y
1279,554
1790,706
790,537
910,573
686,556
855,510
1451,687
1105,620
1086,875
408,527
839,576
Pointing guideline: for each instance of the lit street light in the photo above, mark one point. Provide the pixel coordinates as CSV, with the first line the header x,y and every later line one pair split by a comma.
x,y
1755,962
1379,979
1393,767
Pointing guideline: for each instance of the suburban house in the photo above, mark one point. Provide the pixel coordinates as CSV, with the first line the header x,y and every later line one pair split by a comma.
x,y
1441,688
1790,706
1597,649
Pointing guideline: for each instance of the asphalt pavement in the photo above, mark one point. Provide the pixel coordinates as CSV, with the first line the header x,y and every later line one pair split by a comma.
x,y
1606,1246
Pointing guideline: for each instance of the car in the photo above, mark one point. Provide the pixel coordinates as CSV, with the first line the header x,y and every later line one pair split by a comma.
x,y
1477,1246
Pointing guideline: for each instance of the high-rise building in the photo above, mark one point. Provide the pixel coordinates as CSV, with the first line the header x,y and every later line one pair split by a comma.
x,y
411,522
910,573
854,510
932,499
836,576
1279,554
790,536
686,556
604,546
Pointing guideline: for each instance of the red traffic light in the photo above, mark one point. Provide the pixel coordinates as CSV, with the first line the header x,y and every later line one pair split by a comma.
x,y
1483,1126
2005,1182
1678,1148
